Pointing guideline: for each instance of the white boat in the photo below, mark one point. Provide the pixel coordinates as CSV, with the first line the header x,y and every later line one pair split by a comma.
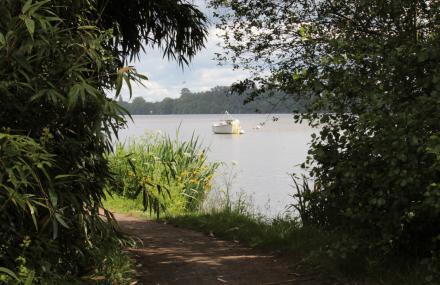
x,y
227,126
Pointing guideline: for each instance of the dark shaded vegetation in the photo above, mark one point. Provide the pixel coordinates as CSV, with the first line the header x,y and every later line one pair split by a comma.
x,y
58,60
178,27
216,101
374,65
306,247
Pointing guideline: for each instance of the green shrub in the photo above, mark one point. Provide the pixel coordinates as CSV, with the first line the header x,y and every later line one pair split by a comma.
x,y
24,181
33,220
52,80
59,60
370,72
168,174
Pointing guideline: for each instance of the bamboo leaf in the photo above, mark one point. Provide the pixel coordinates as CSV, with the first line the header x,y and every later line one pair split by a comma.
x,y
60,219
35,7
145,198
30,25
87,28
118,83
127,81
8,272
2,40
32,212
26,7
30,278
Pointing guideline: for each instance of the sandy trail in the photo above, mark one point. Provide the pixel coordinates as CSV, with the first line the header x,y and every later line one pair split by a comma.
x,y
172,255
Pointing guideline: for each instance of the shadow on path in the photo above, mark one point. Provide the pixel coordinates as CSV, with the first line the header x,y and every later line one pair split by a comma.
x,y
172,255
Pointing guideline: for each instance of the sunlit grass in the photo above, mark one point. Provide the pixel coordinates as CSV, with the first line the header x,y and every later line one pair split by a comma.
x,y
119,204
159,174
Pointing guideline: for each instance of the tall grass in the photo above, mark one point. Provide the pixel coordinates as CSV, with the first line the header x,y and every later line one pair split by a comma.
x,y
162,174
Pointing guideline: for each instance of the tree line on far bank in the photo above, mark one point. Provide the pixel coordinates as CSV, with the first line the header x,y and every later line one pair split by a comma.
x,y
215,101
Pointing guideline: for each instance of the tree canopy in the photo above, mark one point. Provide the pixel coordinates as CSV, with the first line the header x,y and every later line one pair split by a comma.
x,y
375,66
176,26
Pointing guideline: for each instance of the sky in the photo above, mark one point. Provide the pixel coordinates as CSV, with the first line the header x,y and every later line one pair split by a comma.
x,y
167,78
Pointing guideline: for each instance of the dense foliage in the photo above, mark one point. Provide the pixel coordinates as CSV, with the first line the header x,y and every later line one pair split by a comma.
x,y
216,101
167,175
59,59
176,26
375,66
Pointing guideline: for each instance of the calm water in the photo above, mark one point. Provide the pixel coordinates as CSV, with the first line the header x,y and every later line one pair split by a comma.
x,y
258,162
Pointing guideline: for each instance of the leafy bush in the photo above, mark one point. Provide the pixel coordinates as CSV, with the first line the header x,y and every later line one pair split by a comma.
x,y
33,220
58,62
51,86
374,66
24,180
169,174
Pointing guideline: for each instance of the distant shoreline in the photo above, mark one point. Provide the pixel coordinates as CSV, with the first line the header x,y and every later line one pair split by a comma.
x,y
216,101
291,113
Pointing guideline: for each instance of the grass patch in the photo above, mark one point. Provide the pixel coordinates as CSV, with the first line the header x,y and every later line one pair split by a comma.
x,y
280,234
120,204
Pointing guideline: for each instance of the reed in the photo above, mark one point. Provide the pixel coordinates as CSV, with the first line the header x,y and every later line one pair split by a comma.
x,y
162,173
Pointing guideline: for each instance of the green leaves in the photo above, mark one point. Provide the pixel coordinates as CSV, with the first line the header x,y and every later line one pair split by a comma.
x,y
30,25
28,12
25,164
48,72
178,28
57,123
2,40
170,175
26,7
372,74
80,93
128,74
302,31
30,8
8,272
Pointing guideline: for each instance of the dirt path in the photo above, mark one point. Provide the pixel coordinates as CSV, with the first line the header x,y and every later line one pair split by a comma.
x,y
173,255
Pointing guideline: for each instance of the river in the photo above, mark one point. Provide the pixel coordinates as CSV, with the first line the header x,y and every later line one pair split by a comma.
x,y
257,164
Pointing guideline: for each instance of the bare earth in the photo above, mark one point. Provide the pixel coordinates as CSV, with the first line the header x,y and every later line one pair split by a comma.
x,y
172,255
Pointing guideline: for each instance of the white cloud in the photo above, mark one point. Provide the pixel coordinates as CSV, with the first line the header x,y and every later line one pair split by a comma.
x,y
167,78
151,91
217,76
